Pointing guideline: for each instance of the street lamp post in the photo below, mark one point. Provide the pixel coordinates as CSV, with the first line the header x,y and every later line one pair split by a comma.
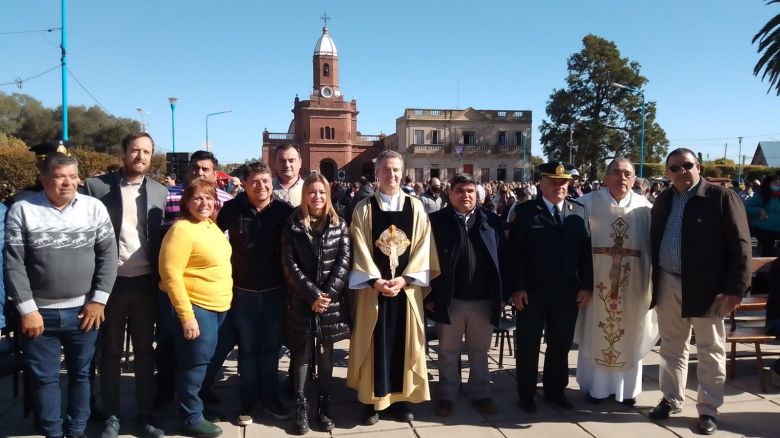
x,y
525,141
207,124
642,137
739,167
172,101
143,118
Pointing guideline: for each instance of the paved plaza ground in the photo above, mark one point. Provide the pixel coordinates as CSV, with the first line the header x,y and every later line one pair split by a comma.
x,y
747,410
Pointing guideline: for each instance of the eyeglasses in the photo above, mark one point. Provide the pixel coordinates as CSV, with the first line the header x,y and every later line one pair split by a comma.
x,y
687,166
623,173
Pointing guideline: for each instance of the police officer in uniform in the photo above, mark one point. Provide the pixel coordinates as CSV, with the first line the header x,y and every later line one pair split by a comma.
x,y
553,278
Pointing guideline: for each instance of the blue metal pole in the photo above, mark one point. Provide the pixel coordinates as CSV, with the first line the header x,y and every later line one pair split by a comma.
x,y
64,63
642,139
173,127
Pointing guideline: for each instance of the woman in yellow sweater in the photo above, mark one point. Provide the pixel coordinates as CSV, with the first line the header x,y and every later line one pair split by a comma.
x,y
196,274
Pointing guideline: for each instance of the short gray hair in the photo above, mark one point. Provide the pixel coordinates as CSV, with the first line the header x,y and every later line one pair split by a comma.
x,y
55,160
388,154
617,160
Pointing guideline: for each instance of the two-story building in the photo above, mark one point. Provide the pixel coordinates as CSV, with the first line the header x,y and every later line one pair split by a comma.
x,y
490,145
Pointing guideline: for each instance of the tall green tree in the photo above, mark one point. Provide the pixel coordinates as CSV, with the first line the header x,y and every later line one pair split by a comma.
x,y
26,118
768,39
601,120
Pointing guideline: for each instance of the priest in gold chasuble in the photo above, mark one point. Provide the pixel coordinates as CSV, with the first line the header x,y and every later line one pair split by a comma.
x,y
618,328
394,261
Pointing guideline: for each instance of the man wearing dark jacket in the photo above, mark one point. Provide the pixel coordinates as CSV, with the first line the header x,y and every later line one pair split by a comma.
x,y
254,221
553,273
701,268
136,206
466,299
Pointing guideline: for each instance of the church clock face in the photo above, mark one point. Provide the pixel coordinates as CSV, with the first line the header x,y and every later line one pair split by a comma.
x,y
326,92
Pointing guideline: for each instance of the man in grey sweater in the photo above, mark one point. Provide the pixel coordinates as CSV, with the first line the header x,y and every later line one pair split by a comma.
x,y
60,266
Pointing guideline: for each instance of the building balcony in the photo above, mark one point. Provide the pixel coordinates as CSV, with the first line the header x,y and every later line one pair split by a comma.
x,y
427,149
509,149
281,136
475,149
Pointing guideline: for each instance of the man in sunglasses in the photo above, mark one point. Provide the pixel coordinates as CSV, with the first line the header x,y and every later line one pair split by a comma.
x,y
701,268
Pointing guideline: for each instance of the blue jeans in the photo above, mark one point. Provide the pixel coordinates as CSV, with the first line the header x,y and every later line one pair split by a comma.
x,y
259,326
43,354
192,360
226,341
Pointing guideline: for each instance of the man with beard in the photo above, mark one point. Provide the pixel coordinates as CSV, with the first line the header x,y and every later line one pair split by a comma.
x,y
135,204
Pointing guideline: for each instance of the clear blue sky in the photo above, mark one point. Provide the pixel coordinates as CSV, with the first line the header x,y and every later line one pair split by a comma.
x,y
254,56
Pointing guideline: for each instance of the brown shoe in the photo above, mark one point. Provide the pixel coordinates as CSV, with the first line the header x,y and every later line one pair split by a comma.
x,y
487,406
444,408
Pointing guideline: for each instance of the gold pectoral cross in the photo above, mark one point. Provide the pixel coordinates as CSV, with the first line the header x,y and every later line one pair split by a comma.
x,y
393,243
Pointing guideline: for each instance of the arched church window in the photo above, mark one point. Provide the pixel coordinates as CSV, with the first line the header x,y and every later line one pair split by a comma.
x,y
322,132
326,69
333,133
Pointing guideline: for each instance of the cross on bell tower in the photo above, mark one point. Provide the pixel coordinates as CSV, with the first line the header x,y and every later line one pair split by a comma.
x,y
325,18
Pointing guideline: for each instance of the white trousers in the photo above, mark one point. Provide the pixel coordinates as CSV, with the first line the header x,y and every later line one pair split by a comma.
x,y
675,346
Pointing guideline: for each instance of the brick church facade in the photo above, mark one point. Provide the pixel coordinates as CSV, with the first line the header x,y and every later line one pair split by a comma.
x,y
325,126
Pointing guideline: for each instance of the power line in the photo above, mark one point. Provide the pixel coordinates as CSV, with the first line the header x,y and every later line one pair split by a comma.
x,y
723,138
19,81
30,31
90,94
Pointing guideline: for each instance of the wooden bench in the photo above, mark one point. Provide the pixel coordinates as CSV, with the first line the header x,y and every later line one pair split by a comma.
x,y
749,335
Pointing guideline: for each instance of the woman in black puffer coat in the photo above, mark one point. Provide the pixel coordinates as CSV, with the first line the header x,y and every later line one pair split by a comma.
x,y
315,260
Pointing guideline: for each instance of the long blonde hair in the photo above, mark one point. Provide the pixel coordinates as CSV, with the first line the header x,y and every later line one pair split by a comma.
x,y
305,215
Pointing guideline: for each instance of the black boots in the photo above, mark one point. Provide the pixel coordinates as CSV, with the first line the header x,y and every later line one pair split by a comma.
x,y
302,416
323,412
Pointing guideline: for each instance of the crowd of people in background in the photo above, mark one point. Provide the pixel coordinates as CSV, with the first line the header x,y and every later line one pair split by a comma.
x,y
270,257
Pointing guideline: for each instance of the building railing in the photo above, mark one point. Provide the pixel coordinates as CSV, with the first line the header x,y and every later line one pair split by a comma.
x,y
477,149
509,149
280,136
368,137
427,148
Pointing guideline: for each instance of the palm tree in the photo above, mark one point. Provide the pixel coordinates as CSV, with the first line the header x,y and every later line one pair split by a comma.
x,y
769,43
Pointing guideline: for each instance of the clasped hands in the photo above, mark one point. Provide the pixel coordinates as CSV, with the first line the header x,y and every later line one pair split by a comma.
x,y
390,288
320,305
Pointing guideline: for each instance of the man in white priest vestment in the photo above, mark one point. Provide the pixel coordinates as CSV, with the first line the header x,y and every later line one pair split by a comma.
x,y
616,331
394,261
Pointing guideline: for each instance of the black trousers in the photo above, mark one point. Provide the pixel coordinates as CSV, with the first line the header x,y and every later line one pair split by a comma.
x,y
132,303
556,314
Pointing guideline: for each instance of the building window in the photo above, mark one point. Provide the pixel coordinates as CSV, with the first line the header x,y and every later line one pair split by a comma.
x,y
501,174
469,138
328,132
418,175
419,136
435,112
518,174
326,69
436,136
484,174
418,112
518,114
322,132
468,169
450,173
502,114
333,133
519,139
501,137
